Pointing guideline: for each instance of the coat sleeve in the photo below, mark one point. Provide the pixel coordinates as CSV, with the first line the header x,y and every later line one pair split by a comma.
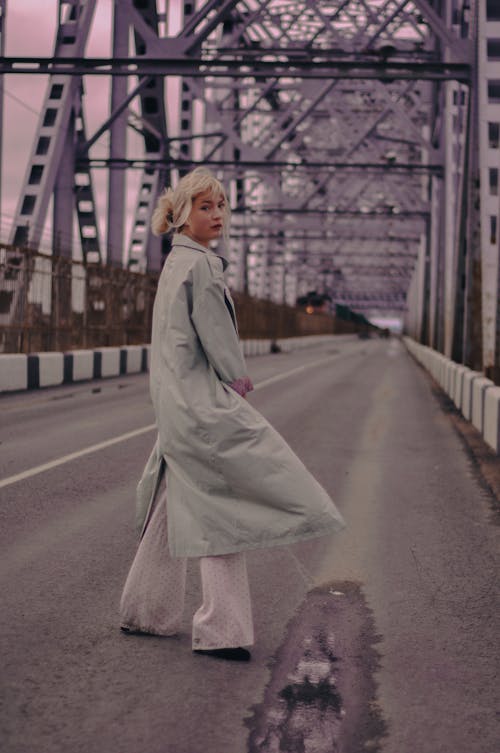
x,y
215,328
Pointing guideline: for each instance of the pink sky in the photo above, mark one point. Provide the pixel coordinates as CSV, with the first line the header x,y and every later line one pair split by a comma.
x,y
31,28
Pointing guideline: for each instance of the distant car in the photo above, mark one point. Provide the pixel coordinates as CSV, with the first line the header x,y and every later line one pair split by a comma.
x,y
364,334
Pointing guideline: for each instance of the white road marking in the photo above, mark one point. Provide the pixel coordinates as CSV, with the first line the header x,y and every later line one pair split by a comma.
x,y
73,455
137,432
296,370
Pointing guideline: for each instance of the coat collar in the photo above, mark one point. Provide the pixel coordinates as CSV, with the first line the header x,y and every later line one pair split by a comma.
x,y
179,239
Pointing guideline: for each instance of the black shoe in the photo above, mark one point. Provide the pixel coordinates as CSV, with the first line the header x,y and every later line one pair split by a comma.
x,y
233,654
133,631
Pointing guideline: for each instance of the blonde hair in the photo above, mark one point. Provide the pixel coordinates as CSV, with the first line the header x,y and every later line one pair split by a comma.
x,y
175,204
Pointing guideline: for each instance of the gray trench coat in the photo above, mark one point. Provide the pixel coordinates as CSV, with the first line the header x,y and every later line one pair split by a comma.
x,y
233,483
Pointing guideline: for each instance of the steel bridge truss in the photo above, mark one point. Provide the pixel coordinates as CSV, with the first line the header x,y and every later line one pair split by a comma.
x,y
344,129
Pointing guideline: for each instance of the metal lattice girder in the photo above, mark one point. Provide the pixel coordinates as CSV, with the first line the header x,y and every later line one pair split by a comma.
x,y
145,250
299,98
85,201
144,18
140,240
50,170
280,111
438,293
186,124
297,168
486,161
51,138
117,146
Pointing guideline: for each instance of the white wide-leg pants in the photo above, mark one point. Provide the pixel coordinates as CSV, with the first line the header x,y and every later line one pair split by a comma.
x,y
153,596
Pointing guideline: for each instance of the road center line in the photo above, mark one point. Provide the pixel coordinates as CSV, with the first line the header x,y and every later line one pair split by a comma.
x,y
137,432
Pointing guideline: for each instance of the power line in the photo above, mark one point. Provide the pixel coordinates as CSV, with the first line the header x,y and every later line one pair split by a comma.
x,y
21,102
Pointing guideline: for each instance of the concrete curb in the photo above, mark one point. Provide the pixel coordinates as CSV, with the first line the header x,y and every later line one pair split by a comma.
x,y
477,397
491,430
13,372
479,387
107,362
45,369
78,365
459,384
469,378
36,370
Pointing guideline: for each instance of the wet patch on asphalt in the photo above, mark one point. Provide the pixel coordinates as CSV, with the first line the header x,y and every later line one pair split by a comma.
x,y
321,697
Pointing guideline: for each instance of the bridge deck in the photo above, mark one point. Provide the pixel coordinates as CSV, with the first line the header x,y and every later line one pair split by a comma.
x,y
414,577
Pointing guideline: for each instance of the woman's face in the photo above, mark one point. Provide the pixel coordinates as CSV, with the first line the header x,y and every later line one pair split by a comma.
x,y
205,223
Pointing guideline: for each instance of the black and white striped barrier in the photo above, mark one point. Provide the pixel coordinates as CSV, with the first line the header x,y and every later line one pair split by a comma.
x,y
21,372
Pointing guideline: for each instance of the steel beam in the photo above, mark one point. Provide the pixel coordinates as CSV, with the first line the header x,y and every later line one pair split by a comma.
x,y
85,200
333,212
64,199
238,68
457,47
121,107
245,164
321,236
145,250
117,145
74,26
488,111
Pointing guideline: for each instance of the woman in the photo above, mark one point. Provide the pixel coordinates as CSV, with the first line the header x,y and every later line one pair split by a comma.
x,y
233,483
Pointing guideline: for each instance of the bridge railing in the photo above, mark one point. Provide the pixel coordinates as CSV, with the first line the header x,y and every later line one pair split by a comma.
x,y
52,303
55,303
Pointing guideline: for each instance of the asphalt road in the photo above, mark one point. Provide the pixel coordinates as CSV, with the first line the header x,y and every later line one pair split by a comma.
x,y
384,637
